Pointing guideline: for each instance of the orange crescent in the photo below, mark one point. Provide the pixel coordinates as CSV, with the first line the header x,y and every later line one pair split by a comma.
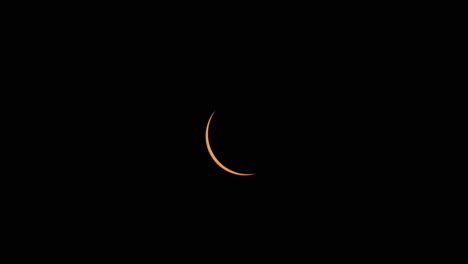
x,y
214,157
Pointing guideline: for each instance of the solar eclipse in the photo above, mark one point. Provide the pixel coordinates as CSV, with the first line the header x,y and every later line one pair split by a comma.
x,y
214,157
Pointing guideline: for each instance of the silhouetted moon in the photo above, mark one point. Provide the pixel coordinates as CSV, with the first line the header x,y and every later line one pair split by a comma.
x,y
214,157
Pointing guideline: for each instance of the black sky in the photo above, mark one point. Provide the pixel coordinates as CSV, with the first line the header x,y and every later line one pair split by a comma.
x,y
110,157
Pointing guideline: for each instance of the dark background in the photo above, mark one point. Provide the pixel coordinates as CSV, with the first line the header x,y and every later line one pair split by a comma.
x,y
107,117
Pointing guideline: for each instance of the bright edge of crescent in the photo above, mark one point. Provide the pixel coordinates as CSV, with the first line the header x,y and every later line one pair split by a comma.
x,y
214,157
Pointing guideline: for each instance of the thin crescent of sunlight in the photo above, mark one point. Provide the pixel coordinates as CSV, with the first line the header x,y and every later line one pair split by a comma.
x,y
214,157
